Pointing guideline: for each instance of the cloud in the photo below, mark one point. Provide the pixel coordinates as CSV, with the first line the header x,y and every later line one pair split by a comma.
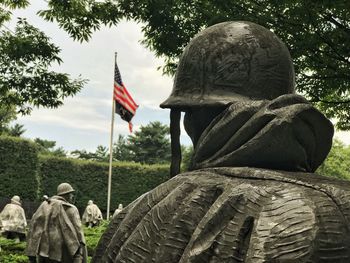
x,y
344,136
82,115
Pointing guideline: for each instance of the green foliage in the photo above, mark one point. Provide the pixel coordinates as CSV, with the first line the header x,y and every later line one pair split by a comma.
x,y
26,56
25,78
7,114
5,5
90,178
16,131
22,172
337,163
47,147
12,252
120,150
81,17
316,32
83,154
151,144
93,235
13,258
187,153
101,154
18,168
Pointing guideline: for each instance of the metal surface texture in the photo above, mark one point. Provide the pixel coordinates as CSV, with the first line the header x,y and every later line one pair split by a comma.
x,y
231,61
251,195
234,215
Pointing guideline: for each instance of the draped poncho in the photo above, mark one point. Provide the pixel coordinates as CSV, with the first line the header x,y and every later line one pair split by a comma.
x,y
251,197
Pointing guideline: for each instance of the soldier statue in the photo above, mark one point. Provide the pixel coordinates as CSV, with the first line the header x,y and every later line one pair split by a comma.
x,y
118,210
92,215
55,233
13,221
252,194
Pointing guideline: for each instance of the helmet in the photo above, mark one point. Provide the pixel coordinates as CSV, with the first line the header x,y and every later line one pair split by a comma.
x,y
231,61
15,199
64,188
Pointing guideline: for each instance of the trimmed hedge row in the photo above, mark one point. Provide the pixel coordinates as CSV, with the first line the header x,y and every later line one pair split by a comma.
x,y
29,175
90,179
18,168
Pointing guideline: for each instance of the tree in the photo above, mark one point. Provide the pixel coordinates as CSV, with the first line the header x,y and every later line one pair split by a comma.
x,y
101,153
83,154
47,147
151,144
7,115
316,32
337,163
17,130
121,151
187,152
25,58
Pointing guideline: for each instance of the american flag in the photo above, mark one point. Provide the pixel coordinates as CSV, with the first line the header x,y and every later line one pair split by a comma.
x,y
125,106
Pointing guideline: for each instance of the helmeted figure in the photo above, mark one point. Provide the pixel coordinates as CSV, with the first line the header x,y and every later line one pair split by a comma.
x,y
92,215
13,220
252,195
55,233
118,210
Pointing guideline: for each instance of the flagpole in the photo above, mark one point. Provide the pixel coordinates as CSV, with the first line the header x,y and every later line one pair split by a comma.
x,y
111,148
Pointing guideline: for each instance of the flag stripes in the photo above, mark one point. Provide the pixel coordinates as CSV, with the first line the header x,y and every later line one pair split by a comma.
x,y
122,96
125,106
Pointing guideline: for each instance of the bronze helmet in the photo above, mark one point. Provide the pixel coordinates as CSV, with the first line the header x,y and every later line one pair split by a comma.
x,y
231,61
64,188
224,63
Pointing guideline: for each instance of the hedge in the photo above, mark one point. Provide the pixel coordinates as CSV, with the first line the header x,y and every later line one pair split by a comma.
x,y
25,173
18,168
89,178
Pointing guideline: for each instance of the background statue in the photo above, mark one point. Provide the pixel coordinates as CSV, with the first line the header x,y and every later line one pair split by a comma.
x,y
55,233
13,220
92,215
118,210
251,195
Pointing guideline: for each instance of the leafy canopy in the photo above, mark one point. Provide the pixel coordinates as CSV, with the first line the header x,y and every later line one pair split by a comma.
x,y
47,147
26,55
100,155
151,144
316,32
337,163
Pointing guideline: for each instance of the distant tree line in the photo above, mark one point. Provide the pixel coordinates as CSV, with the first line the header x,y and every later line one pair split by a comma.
x,y
149,145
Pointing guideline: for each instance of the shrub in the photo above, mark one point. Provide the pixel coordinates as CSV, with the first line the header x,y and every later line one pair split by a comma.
x,y
11,251
18,168
93,235
90,179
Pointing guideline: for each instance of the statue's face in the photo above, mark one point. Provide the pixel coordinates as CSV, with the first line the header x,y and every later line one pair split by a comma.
x,y
196,120
71,198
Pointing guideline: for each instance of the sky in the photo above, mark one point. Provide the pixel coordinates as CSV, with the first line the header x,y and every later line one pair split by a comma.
x,y
83,122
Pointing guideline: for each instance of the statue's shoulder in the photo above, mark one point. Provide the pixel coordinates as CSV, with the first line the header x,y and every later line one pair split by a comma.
x,y
59,201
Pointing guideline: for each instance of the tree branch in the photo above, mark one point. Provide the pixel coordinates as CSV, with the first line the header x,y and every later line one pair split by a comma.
x,y
329,17
330,102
